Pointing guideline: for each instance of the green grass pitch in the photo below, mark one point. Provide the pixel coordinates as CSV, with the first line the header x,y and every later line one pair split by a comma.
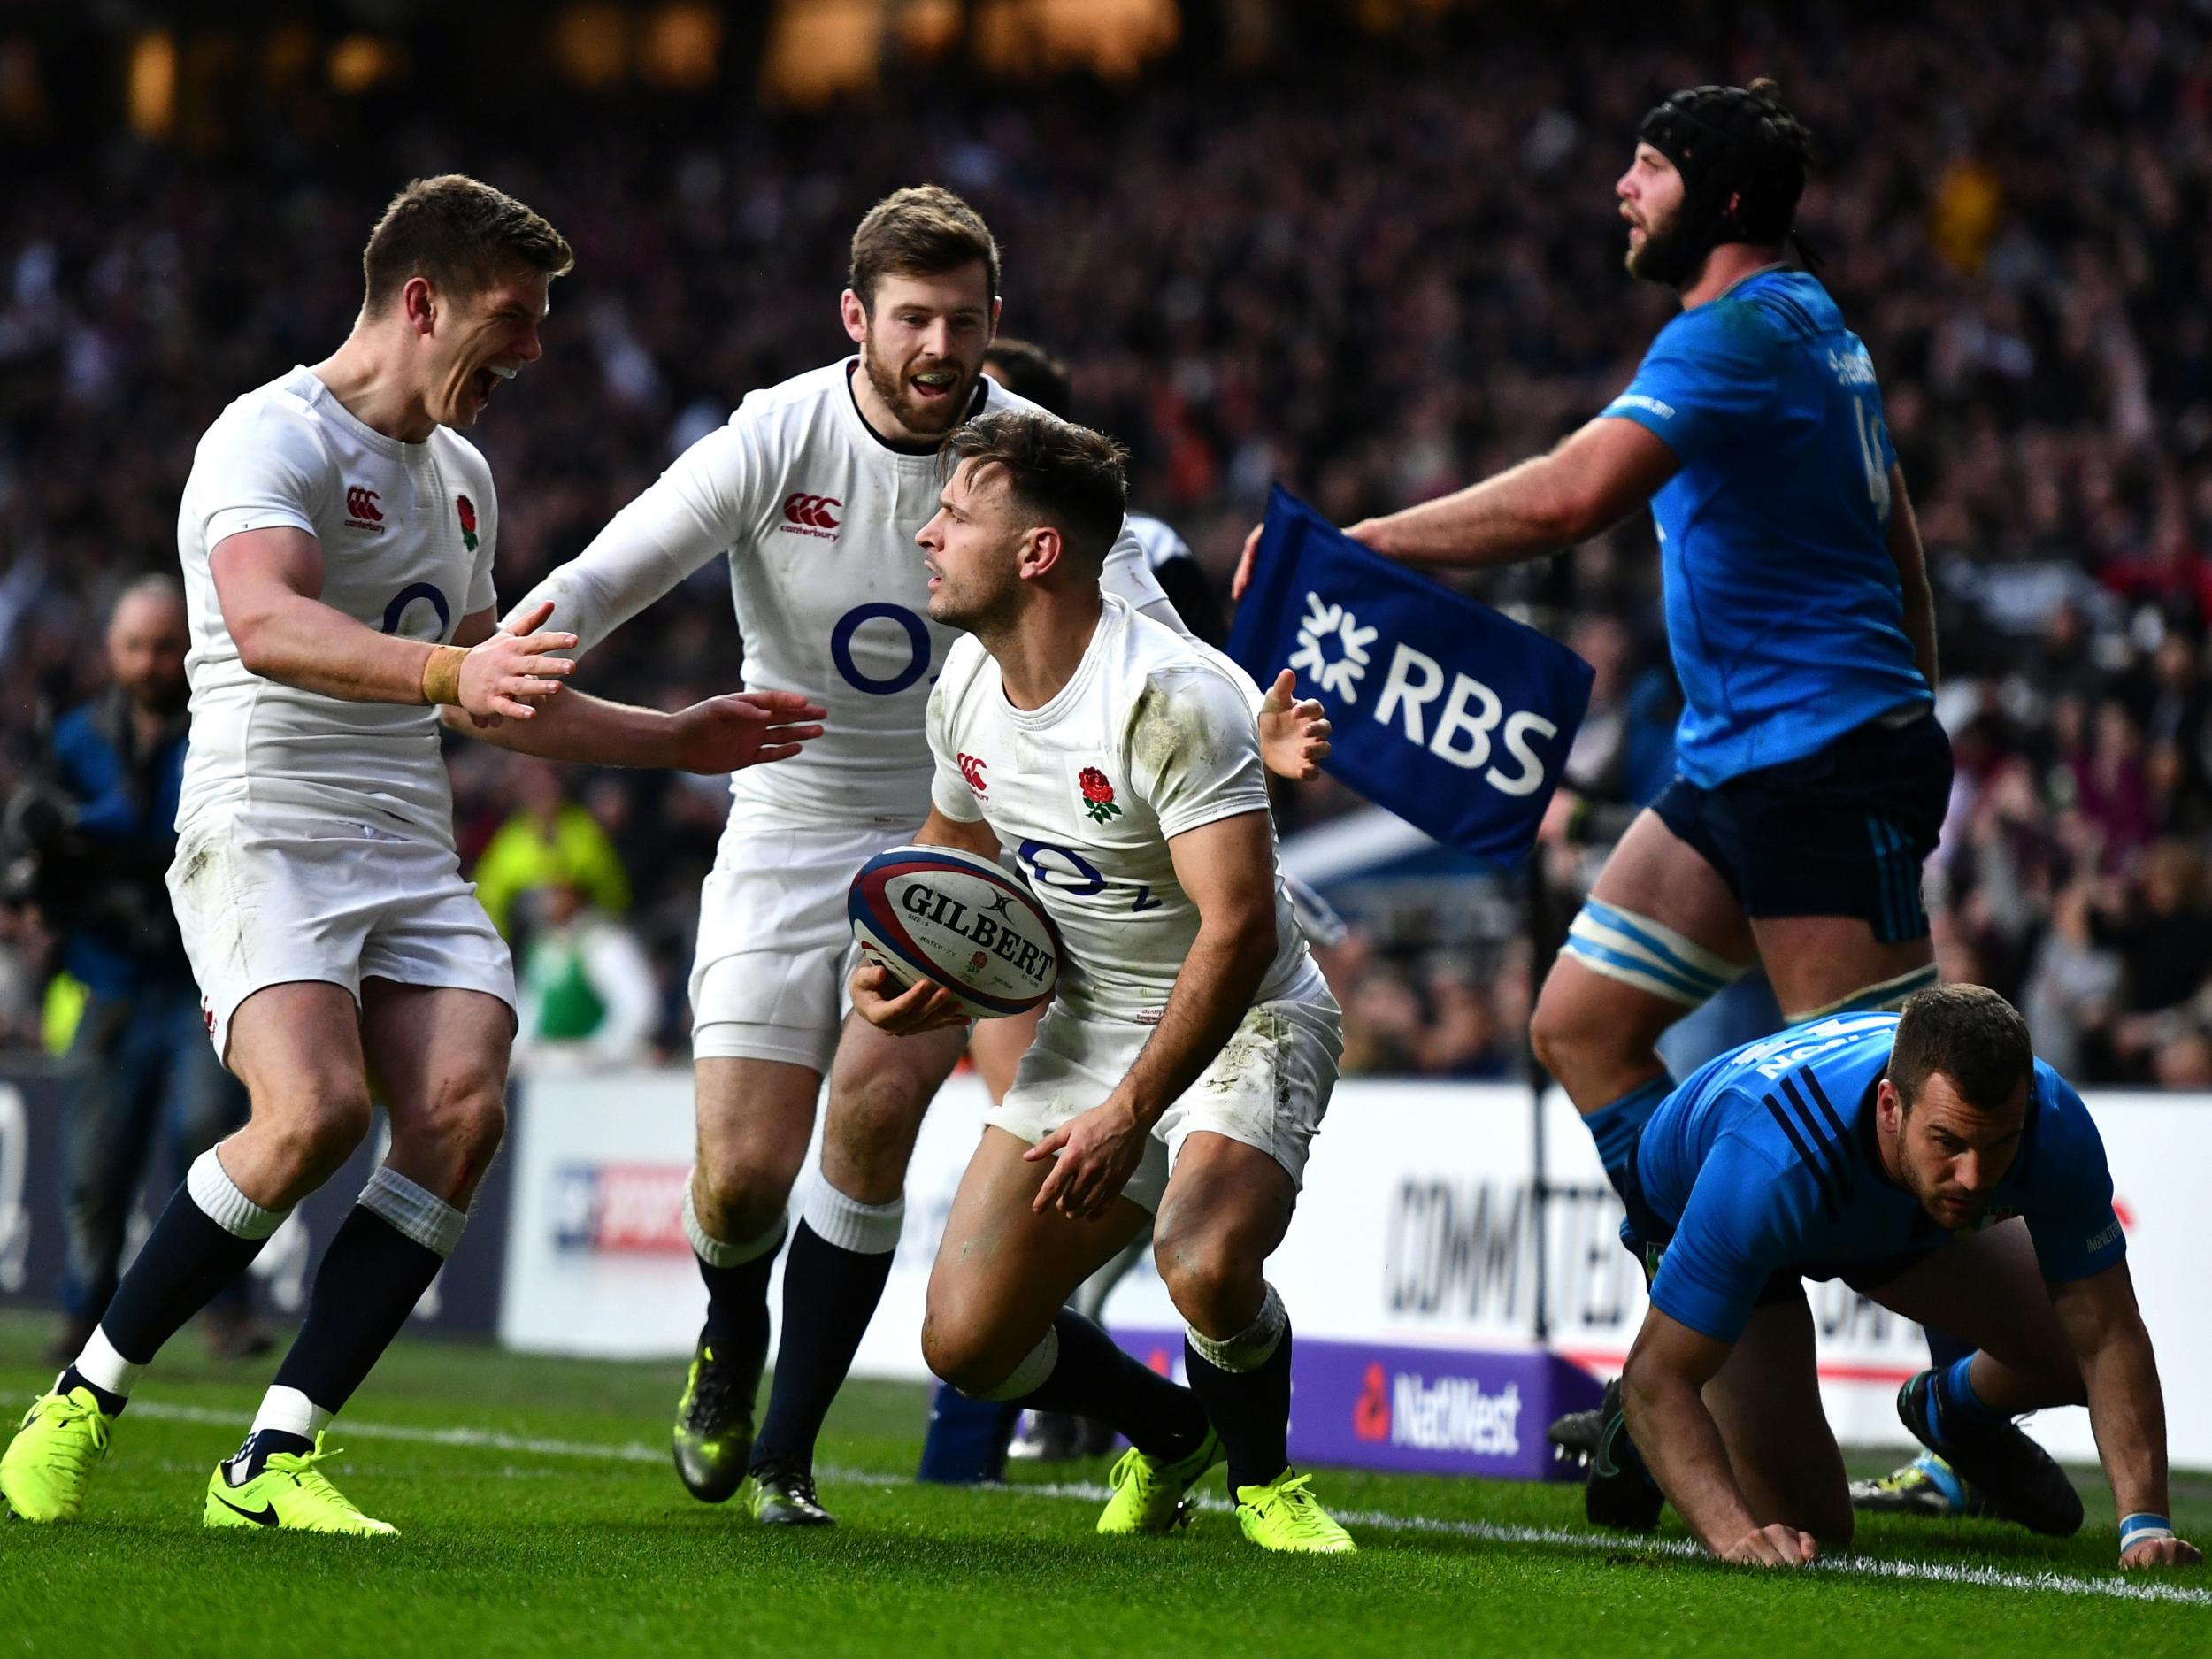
x,y
539,1517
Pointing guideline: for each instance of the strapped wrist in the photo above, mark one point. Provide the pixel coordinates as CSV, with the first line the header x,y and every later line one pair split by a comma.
x,y
442,675
2140,1525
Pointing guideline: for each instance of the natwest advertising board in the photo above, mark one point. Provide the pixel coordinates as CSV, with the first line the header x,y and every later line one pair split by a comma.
x,y
1411,1270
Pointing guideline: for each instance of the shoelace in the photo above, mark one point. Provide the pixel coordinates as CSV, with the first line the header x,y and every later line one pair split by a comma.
x,y
67,1449
309,1480
710,1398
1303,1510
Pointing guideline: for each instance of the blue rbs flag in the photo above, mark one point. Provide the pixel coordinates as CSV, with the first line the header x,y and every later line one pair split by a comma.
x,y
1453,716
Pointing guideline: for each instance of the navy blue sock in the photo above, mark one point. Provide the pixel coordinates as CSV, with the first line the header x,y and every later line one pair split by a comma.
x,y
73,1379
1955,1395
737,1308
1943,1349
1617,1128
186,1259
1093,1377
1250,1409
829,1296
371,1278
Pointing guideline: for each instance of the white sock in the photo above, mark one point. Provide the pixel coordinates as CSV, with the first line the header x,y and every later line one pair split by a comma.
x,y
287,1411
104,1368
849,1225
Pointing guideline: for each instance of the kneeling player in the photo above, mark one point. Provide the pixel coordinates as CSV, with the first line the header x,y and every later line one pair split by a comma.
x,y
1930,1161
1184,1067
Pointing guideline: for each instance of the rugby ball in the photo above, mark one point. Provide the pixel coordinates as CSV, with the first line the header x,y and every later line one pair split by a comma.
x,y
938,913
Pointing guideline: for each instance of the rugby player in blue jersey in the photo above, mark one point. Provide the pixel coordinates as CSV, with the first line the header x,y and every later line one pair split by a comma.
x,y
1933,1163
1813,775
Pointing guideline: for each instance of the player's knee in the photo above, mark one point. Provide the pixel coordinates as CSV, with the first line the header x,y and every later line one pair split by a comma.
x,y
958,1349
310,1134
739,1198
1214,1279
1566,1031
464,1123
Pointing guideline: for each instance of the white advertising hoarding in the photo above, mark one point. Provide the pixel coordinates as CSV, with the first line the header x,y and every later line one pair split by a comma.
x,y
1416,1226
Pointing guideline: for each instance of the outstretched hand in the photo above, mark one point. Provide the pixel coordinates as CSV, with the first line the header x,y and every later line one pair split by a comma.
x,y
1097,1151
1294,733
744,728
512,670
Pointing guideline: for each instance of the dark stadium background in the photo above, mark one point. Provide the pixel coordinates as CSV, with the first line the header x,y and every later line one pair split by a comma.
x,y
1368,247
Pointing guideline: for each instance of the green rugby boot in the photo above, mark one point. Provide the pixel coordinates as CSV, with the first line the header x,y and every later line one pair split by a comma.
x,y
713,1438
289,1493
47,1465
1148,1495
1285,1514
785,1497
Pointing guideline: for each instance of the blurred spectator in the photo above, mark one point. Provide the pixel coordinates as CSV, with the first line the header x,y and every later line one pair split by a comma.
x,y
95,830
549,841
586,986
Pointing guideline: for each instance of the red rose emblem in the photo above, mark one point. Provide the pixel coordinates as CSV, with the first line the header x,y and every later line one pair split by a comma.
x,y
1098,793
467,510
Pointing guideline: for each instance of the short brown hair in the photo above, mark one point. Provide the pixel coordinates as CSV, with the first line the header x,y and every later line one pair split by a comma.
x,y
1971,1035
458,232
1027,370
1070,477
923,230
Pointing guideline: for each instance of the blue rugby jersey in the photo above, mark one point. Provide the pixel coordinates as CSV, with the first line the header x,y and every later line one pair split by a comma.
x,y
1764,1161
1785,613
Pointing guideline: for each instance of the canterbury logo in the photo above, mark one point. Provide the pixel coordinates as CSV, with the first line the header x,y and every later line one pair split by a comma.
x,y
972,769
813,511
361,504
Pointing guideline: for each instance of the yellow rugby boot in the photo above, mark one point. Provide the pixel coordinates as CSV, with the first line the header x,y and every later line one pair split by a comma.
x,y
292,1495
47,1465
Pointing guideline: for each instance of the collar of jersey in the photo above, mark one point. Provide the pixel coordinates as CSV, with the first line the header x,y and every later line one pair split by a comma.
x,y
1112,617
1751,276
908,451
318,392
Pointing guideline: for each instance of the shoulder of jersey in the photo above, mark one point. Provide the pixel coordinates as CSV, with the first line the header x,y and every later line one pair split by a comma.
x,y
801,392
1158,537
271,413
464,453
964,662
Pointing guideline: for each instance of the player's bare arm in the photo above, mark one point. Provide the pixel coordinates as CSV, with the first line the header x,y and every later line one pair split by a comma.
x,y
1595,478
2127,1410
1912,576
269,583
1227,868
719,734
1662,1391
924,1005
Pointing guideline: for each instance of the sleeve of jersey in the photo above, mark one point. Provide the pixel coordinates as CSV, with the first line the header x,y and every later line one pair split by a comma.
x,y
695,511
1128,575
1194,752
2070,1214
1735,1233
1707,376
258,471
949,791
482,593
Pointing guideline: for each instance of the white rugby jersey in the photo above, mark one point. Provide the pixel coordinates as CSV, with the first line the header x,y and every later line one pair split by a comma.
x,y
818,516
1152,736
1159,540
406,532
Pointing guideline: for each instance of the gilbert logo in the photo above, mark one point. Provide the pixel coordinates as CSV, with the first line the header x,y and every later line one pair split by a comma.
x,y
972,769
805,514
362,513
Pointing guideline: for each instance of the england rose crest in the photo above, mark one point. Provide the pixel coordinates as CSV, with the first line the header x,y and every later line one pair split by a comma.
x,y
1098,795
467,508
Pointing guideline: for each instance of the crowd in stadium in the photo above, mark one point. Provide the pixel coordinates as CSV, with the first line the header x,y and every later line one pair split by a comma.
x,y
1376,280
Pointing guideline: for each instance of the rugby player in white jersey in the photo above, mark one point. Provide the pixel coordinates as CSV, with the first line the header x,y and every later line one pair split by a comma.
x,y
337,536
1182,1070
814,490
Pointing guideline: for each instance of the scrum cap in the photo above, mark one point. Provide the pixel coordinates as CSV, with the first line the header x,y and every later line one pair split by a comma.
x,y
1742,158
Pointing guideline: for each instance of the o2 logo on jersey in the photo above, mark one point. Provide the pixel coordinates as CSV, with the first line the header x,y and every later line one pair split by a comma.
x,y
396,612
918,648
1067,870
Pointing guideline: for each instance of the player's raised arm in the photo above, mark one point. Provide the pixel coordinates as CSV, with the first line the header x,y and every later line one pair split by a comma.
x,y
269,584
1595,478
691,513
1903,535
719,734
2127,1410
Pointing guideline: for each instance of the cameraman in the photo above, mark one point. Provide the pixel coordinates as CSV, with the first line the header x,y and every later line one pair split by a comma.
x,y
89,837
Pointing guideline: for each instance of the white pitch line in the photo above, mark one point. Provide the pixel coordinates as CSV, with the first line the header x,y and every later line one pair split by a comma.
x,y
1090,1492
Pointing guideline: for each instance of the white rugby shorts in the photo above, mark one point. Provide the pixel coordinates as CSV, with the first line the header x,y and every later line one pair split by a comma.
x,y
1268,1087
775,949
265,896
